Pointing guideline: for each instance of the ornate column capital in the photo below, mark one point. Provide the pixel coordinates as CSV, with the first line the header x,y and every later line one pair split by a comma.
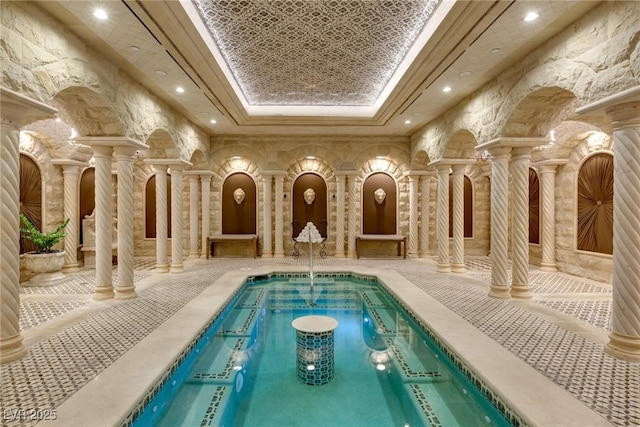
x,y
20,110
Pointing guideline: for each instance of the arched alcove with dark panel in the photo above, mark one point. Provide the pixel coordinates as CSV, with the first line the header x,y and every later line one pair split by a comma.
x,y
150,208
30,198
87,196
595,204
468,207
239,217
534,207
309,204
379,216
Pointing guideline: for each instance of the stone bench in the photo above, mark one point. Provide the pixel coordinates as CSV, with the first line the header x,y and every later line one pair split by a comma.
x,y
402,242
221,238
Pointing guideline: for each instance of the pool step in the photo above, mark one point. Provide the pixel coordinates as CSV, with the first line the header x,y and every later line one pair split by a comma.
x,y
222,359
240,322
303,297
415,363
208,406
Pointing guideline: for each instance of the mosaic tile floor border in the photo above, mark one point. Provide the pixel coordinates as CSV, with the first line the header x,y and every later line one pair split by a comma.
x,y
57,367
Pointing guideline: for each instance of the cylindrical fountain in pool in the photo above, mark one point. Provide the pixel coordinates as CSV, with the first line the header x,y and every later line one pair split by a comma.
x,y
314,348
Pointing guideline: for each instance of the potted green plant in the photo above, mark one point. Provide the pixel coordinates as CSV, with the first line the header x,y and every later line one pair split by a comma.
x,y
46,263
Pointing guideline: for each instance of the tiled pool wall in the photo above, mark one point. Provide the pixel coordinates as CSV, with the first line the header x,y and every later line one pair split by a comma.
x,y
515,419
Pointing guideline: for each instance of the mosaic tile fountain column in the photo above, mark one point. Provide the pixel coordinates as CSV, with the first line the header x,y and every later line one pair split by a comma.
x,y
315,349
340,181
124,152
413,214
205,183
624,339
547,172
16,111
520,222
70,171
267,251
177,167
444,265
352,216
162,234
499,218
457,181
194,223
279,226
425,188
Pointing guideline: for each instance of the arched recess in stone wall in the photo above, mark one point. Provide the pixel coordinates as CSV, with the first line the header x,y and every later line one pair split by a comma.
x,y
594,222
239,203
161,145
379,201
534,207
460,145
90,112
420,160
87,196
30,197
536,113
199,160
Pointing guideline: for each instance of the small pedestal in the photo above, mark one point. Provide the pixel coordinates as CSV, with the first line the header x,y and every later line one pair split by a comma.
x,y
314,348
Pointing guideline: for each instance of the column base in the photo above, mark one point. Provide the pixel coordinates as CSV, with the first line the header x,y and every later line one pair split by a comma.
x,y
425,255
103,293
412,255
351,254
176,268
499,291
443,268
278,254
623,347
521,291
194,255
162,268
267,254
339,254
11,349
458,268
548,266
125,292
71,268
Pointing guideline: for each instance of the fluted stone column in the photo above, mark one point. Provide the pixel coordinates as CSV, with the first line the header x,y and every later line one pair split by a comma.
x,y
194,242
413,214
520,222
547,173
279,210
352,216
442,211
162,234
457,179
624,339
205,182
125,287
499,218
425,187
16,111
267,251
102,153
177,167
71,171
340,182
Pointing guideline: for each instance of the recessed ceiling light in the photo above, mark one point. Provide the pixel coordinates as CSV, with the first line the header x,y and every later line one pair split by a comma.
x,y
100,14
180,89
495,50
134,48
465,74
160,73
531,16
213,121
446,89
407,122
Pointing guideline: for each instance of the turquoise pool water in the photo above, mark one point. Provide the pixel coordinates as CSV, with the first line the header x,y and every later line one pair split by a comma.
x,y
242,371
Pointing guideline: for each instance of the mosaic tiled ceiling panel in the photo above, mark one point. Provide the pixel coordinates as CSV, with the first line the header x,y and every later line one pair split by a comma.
x,y
314,52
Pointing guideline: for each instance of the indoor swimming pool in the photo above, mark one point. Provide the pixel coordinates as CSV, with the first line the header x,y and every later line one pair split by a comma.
x,y
241,371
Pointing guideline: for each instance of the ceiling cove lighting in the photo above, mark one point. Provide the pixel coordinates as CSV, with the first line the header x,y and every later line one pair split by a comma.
x,y
100,14
531,16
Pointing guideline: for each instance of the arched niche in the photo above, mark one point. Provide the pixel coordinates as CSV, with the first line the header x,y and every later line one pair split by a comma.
x,y
30,198
306,210
534,207
150,208
379,218
239,216
468,207
87,196
594,223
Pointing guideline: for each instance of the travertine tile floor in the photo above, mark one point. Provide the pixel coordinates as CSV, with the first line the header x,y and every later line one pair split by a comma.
x,y
560,332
